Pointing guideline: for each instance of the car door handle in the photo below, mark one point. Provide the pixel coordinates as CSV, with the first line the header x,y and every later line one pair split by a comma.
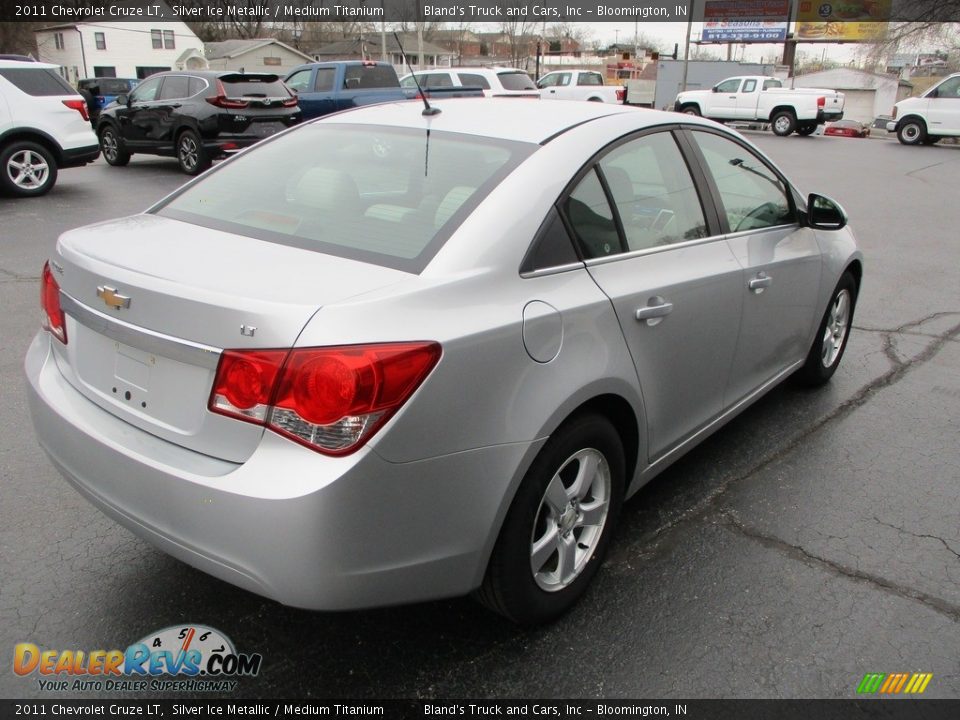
x,y
731,97
175,105
656,310
761,281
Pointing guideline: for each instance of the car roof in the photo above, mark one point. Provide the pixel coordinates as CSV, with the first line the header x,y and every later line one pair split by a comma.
x,y
523,120
26,64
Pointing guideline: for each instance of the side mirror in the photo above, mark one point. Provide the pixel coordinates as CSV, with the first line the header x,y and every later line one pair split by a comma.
x,y
123,99
715,88
934,93
824,213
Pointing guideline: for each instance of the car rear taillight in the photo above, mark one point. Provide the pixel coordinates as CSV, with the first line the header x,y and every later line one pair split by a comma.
x,y
331,399
80,106
53,319
221,100
621,94
290,101
821,101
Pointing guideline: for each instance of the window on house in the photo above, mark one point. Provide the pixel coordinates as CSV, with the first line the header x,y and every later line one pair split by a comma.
x,y
156,39
168,41
58,40
101,41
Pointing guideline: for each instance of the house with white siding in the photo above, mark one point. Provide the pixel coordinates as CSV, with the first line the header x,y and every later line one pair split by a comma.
x,y
119,49
257,55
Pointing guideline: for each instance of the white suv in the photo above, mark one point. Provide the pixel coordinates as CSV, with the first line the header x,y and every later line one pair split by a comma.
x,y
496,81
934,115
44,126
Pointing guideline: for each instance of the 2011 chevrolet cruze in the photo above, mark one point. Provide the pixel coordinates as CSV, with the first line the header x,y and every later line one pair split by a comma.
x,y
390,355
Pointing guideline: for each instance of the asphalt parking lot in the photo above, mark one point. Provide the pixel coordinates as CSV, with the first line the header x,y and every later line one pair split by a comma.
x,y
814,539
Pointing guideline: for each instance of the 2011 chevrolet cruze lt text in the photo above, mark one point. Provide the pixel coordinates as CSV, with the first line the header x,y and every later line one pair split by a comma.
x,y
391,356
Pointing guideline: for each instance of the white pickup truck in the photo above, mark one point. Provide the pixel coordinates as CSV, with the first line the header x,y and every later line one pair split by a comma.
x,y
758,97
579,85
924,120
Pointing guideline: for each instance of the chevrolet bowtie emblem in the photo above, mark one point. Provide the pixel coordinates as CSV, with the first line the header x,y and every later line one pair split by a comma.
x,y
112,298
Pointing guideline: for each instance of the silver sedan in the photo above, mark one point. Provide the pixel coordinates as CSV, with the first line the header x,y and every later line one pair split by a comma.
x,y
391,355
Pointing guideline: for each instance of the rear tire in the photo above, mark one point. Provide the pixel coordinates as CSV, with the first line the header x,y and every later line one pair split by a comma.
x,y
112,148
912,131
783,123
832,334
191,156
931,140
559,525
27,169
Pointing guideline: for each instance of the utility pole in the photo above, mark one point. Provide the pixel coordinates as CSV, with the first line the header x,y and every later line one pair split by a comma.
x,y
686,51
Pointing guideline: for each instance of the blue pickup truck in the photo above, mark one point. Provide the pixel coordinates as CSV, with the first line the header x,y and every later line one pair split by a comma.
x,y
326,87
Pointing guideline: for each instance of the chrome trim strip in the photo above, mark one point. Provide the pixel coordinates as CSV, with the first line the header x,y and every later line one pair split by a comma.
x,y
141,338
552,270
653,250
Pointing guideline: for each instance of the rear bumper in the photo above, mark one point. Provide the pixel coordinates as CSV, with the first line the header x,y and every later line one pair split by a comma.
x,y
292,525
76,157
823,117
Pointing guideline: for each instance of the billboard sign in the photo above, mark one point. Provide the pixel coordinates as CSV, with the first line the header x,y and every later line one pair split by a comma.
x,y
842,20
744,31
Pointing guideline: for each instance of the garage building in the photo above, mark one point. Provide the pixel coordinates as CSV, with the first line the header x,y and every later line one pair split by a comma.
x,y
866,94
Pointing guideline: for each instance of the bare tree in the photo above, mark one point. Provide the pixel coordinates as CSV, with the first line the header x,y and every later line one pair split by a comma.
x,y
18,38
518,34
900,37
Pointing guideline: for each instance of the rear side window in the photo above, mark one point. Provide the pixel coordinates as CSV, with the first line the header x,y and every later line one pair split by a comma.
x,y
196,85
591,218
438,80
473,80
590,79
175,86
516,81
369,77
384,195
749,86
37,81
772,84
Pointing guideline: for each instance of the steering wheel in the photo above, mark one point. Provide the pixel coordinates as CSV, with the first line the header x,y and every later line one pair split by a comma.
x,y
768,208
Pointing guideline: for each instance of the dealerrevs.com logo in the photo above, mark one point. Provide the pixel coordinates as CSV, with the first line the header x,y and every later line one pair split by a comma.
x,y
178,658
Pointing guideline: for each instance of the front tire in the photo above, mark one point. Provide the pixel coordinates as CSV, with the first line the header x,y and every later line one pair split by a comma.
x,y
783,123
912,132
27,169
805,130
191,156
690,110
111,146
559,525
832,335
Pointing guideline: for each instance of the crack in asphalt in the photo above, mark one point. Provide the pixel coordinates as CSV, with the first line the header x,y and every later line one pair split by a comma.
x,y
918,535
16,277
900,367
798,552
908,325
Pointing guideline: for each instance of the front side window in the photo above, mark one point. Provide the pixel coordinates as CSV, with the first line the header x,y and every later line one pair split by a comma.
x,y
324,80
299,81
385,195
729,86
101,40
156,39
549,80
949,88
753,197
146,91
653,192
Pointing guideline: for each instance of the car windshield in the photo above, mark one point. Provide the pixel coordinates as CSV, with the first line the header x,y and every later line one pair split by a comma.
x,y
384,195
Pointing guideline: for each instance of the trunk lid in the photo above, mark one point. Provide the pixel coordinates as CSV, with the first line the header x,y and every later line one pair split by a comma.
x,y
151,301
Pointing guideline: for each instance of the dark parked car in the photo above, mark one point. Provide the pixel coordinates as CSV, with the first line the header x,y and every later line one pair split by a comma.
x,y
100,92
195,117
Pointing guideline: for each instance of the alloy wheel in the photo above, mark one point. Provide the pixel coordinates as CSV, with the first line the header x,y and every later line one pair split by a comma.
x,y
835,332
27,170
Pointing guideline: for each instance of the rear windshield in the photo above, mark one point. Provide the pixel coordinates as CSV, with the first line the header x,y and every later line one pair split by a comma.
x,y
518,80
383,195
370,77
239,86
37,81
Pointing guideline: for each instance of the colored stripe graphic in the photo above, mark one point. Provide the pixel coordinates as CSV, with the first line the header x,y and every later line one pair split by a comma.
x,y
894,683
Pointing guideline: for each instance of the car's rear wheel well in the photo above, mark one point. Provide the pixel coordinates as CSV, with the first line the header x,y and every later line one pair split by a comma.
x,y
38,138
783,108
619,412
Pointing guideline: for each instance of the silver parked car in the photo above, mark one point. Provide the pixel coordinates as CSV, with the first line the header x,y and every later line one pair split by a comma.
x,y
390,356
